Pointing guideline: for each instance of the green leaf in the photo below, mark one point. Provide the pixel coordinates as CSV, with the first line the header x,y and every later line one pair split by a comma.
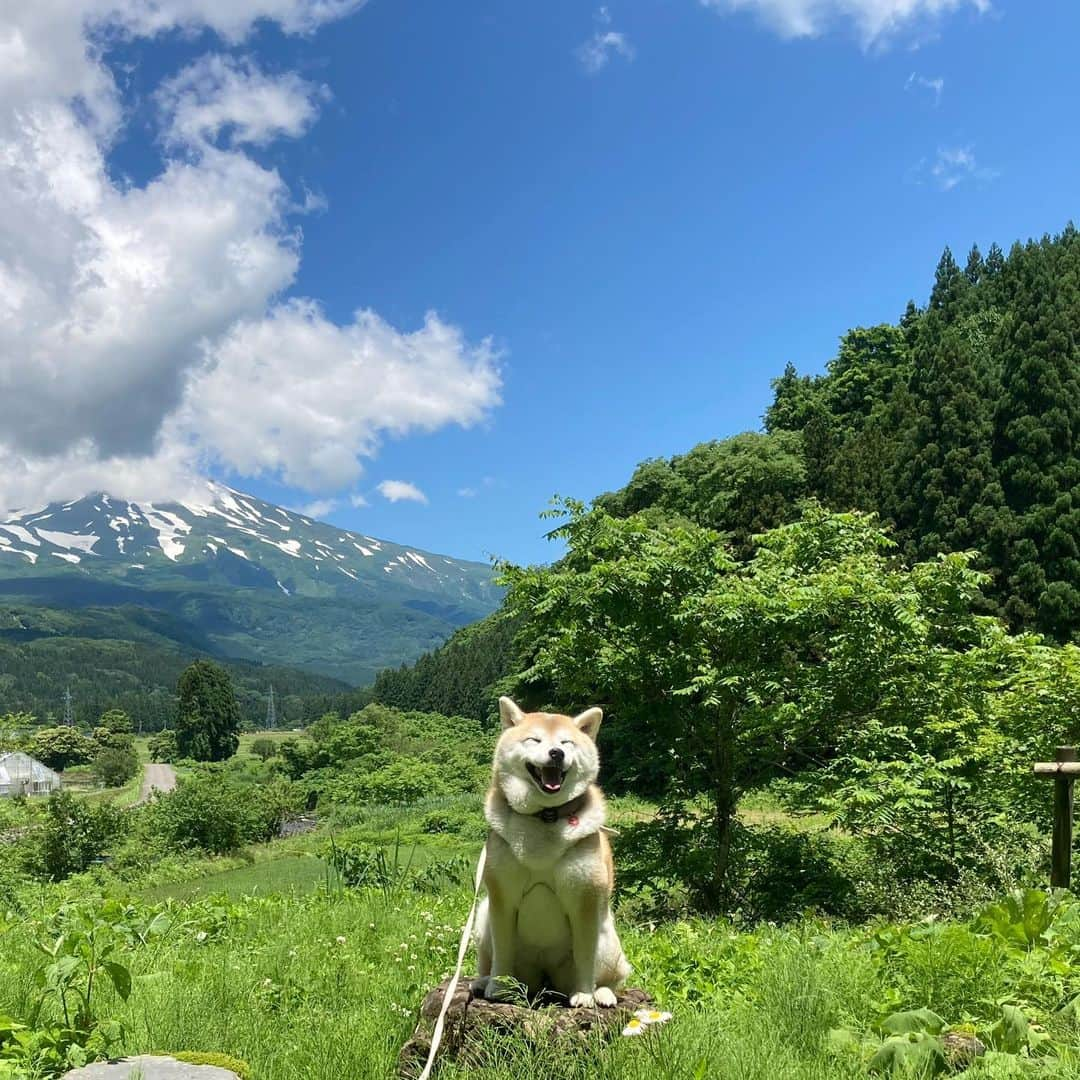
x,y
917,1020
1010,1033
121,978
917,1054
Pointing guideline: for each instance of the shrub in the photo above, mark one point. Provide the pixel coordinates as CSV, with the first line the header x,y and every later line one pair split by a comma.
x,y
115,766
210,813
74,834
203,812
163,746
399,783
264,748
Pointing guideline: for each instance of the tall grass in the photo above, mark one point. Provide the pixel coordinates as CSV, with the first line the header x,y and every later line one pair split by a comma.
x,y
326,986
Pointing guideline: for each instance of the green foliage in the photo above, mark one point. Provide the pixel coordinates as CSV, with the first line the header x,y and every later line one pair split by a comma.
x,y
460,678
208,722
80,949
817,643
61,747
72,835
114,766
743,486
163,746
211,813
399,783
264,748
117,721
960,425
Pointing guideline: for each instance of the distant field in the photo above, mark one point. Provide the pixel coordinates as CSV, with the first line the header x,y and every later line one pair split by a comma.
x,y
287,874
247,739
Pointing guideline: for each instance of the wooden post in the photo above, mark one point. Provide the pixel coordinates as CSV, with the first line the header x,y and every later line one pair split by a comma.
x,y
1064,770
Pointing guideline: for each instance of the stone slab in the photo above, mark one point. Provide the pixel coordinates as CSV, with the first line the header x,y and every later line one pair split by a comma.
x,y
149,1067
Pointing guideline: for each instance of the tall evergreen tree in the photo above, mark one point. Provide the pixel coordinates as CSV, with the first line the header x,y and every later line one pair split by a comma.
x,y
208,724
1037,437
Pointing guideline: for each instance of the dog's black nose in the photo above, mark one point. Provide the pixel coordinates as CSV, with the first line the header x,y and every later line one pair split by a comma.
x,y
556,755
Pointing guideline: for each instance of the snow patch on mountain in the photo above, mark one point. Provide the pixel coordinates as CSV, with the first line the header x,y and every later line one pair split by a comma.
x,y
25,535
74,541
168,526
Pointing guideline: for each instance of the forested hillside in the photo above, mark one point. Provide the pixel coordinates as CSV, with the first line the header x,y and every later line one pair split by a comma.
x,y
460,678
959,426
139,677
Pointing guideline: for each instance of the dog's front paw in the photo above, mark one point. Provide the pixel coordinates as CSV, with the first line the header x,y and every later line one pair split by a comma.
x,y
582,1001
605,997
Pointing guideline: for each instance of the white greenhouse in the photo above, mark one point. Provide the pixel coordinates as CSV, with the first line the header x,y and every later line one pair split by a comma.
x,y
20,774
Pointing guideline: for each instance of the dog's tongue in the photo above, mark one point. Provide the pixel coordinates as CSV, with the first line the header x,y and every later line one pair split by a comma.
x,y
551,777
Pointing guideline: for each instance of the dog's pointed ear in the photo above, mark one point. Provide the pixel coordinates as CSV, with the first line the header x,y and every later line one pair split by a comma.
x,y
589,721
509,713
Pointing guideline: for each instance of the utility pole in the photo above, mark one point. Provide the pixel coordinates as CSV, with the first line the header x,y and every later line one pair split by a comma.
x,y
69,712
271,712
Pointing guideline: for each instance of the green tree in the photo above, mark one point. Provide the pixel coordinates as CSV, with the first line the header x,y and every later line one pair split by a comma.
x,y
117,721
162,746
61,747
264,748
114,766
945,477
719,673
208,724
1037,438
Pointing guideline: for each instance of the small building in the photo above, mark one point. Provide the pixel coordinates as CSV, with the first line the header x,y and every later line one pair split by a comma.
x,y
20,774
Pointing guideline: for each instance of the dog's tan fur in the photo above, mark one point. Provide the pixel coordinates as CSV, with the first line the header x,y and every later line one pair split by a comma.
x,y
546,921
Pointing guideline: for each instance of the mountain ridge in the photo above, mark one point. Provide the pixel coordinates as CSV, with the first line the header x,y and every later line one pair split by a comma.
x,y
247,579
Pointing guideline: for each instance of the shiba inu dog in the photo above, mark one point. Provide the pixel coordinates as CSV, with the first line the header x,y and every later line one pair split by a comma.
x,y
546,921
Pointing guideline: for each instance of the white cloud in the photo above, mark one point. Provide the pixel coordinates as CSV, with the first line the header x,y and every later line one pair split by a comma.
x,y
596,53
874,21
318,396
952,166
401,490
935,86
470,491
357,500
318,508
219,96
141,331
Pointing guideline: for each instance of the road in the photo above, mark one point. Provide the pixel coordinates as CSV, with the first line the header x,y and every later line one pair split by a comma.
x,y
162,777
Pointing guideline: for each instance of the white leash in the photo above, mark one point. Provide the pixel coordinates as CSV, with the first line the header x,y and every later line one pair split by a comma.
x,y
463,948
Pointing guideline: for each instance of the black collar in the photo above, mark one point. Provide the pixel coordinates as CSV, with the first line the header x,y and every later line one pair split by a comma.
x,y
551,814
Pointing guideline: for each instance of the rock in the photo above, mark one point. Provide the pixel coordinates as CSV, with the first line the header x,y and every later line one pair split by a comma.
x,y
149,1067
962,1049
468,1018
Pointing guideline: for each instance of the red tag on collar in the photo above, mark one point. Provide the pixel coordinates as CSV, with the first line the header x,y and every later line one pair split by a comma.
x,y
572,819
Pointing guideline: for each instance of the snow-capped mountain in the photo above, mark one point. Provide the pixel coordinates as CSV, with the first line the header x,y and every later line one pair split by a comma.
x,y
259,581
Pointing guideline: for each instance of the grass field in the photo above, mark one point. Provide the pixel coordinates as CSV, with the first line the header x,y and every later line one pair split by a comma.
x,y
325,984
268,957
289,873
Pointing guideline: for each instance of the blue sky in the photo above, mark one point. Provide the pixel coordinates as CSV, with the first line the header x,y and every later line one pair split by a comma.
x,y
645,209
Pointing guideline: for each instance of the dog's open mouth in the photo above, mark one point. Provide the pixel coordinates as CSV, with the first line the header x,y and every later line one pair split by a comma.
x,y
549,778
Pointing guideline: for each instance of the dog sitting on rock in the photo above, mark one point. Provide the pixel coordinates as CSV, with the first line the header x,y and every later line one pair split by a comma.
x,y
546,921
